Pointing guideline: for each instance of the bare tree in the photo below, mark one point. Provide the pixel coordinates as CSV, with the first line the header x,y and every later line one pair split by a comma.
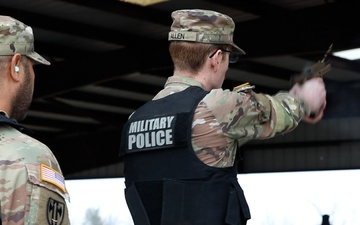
x,y
92,217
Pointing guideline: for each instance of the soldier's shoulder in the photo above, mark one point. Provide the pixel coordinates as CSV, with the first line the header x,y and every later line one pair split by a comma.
x,y
15,145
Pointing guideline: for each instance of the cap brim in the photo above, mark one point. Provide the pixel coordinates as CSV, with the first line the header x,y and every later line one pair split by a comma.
x,y
38,58
237,49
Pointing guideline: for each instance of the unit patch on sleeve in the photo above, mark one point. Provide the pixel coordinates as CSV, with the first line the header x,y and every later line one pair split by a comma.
x,y
55,212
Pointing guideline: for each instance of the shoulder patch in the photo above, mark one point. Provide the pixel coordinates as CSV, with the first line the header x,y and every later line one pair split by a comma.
x,y
243,87
52,176
55,211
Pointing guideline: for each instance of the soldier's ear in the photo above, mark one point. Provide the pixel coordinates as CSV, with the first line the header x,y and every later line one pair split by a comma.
x,y
215,58
15,65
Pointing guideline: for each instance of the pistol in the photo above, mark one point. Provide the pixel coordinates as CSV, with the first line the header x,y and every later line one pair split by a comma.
x,y
316,70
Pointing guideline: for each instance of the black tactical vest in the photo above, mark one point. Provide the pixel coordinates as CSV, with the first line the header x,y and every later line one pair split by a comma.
x,y
166,184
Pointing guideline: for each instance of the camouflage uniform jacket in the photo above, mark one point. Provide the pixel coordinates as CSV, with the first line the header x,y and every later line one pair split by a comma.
x,y
32,187
225,120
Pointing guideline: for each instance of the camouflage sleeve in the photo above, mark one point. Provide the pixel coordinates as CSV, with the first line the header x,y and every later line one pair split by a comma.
x,y
47,195
32,185
249,115
32,196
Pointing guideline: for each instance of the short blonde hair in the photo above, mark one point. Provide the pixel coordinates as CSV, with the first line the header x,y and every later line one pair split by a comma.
x,y
190,56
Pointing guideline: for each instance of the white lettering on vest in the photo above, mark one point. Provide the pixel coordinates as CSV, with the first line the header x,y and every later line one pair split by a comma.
x,y
149,133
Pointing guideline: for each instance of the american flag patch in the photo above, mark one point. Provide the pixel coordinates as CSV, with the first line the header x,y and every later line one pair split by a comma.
x,y
52,176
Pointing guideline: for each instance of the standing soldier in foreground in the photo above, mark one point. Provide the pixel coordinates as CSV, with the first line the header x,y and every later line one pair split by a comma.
x,y
180,149
32,187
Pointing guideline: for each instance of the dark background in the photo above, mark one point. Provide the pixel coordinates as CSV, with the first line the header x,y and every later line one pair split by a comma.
x,y
109,57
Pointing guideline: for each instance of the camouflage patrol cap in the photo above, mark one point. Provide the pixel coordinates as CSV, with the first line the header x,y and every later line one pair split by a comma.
x,y
205,26
16,37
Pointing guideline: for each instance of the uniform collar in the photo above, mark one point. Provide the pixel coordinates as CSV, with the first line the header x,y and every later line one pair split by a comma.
x,y
179,80
4,119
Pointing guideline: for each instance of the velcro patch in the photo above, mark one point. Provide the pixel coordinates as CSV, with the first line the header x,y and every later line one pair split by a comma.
x,y
52,176
55,212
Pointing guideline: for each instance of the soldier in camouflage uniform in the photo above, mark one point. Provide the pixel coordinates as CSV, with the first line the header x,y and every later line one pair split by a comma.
x,y
32,187
180,149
